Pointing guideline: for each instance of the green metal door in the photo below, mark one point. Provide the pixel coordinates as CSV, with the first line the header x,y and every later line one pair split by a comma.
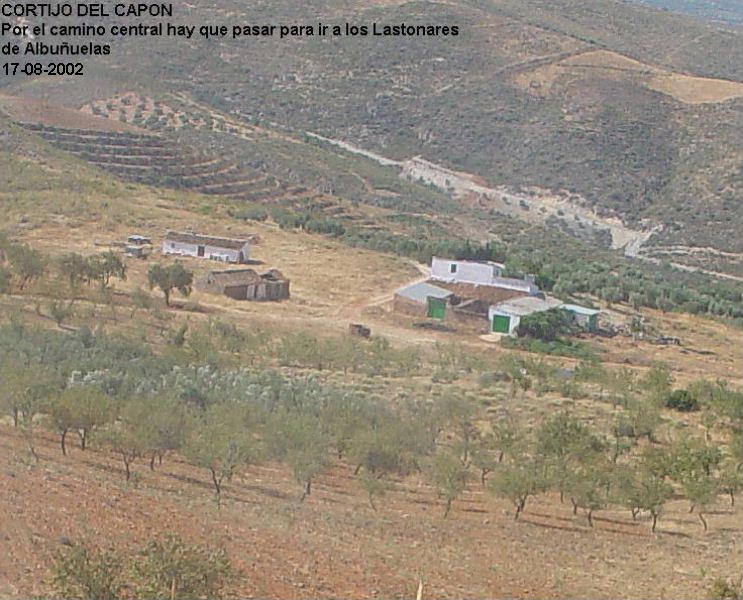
x,y
436,308
501,324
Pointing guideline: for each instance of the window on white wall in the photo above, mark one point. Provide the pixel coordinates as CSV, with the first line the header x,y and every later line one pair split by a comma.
x,y
452,268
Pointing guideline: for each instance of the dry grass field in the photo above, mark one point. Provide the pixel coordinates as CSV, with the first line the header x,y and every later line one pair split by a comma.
x,y
611,65
30,110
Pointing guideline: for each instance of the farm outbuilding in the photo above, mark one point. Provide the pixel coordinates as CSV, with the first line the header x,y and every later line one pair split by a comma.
x,y
587,318
422,300
138,240
475,296
205,246
137,251
246,284
505,317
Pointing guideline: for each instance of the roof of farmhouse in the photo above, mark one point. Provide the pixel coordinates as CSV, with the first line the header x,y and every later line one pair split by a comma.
x,y
581,310
527,305
472,262
185,237
245,276
419,292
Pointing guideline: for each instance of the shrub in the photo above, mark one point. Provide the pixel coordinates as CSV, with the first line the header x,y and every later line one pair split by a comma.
x,y
723,589
682,400
568,348
88,573
547,325
166,568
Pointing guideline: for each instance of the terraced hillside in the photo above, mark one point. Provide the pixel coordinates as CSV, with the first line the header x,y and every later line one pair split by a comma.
x,y
152,159
634,112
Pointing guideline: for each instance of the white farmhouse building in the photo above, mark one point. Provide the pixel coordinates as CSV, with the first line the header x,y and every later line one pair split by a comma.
x,y
204,246
479,273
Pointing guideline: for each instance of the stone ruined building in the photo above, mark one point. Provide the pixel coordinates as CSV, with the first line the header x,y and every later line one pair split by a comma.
x,y
245,284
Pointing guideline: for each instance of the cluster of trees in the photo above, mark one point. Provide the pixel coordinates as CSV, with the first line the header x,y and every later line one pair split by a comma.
x,y
660,287
20,264
421,243
547,325
163,568
101,268
215,342
596,473
117,396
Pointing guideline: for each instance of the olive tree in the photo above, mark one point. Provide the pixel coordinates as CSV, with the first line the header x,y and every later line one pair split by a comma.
x,y
731,480
448,476
103,267
652,493
89,573
91,409
518,480
169,278
221,443
565,443
62,416
300,441
588,489
701,491
26,263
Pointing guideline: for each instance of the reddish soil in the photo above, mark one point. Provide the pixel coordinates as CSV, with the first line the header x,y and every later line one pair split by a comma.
x,y
334,545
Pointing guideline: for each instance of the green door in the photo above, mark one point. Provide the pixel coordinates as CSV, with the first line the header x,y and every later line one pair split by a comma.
x,y
501,324
436,308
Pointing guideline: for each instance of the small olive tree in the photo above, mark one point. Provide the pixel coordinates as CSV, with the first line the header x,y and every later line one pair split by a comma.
x,y
300,441
221,443
448,476
519,480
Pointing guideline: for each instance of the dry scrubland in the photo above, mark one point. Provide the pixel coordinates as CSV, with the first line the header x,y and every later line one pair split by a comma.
x,y
334,544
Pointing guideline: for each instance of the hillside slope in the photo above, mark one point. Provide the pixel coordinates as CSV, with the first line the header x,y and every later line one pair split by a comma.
x,y
634,113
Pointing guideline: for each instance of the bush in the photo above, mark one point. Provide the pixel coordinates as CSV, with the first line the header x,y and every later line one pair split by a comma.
x,y
547,325
167,568
722,589
251,214
88,574
682,400
568,348
490,378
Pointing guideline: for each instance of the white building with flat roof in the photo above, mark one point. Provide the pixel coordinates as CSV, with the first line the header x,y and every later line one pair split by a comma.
x,y
485,273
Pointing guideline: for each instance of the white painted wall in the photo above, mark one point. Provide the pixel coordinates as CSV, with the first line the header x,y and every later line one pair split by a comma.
x,y
464,271
210,252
